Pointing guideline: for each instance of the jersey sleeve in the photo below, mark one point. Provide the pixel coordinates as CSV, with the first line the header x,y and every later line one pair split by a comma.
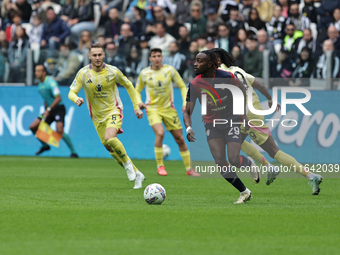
x,y
176,78
125,82
75,87
192,94
246,78
139,87
54,88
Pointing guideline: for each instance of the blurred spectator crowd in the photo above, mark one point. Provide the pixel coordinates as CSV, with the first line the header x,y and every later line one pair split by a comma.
x,y
296,33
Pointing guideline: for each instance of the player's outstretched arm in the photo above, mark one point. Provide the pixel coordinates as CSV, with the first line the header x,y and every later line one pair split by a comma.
x,y
176,77
187,121
139,87
125,82
264,91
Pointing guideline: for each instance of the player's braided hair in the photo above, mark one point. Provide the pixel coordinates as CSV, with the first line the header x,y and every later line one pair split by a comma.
x,y
212,57
225,57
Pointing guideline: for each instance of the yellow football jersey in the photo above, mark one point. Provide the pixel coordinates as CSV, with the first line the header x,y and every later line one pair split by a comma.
x,y
101,91
247,80
158,87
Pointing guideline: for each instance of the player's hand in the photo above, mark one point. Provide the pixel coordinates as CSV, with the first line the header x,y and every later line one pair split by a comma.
x,y
46,113
191,136
203,119
139,113
246,126
278,107
142,106
79,101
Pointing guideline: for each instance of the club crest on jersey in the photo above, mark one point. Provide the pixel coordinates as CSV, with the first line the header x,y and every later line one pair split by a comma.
x,y
89,76
99,87
107,78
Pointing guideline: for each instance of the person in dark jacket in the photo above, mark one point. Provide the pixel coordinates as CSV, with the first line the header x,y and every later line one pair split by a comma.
x,y
303,70
253,59
54,32
81,19
112,25
25,9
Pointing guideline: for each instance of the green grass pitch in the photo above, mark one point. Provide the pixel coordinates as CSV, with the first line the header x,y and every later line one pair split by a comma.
x,y
87,206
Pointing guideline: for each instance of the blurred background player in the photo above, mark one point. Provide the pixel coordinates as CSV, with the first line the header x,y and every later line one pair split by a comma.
x,y
55,109
106,109
259,133
219,136
157,80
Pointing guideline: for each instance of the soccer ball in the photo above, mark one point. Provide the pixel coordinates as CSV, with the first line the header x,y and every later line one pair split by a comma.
x,y
154,194
166,151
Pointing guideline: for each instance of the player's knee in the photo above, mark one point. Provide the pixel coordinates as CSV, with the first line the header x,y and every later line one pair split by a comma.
x,y
180,140
220,160
108,148
234,160
160,133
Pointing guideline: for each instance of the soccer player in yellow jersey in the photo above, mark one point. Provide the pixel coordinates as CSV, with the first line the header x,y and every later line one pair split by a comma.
x,y
157,80
106,109
261,135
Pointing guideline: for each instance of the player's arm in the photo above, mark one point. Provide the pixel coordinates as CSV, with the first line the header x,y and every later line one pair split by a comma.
x,y
139,88
264,91
122,80
75,88
176,78
189,108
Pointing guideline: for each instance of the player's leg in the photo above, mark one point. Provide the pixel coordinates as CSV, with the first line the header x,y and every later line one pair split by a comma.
x,y
241,162
234,139
259,133
107,132
287,160
217,149
121,156
59,117
156,122
184,151
158,129
34,127
115,156
250,150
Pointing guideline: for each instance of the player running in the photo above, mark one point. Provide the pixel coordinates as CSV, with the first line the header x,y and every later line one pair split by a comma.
x,y
54,109
106,109
157,80
262,135
220,135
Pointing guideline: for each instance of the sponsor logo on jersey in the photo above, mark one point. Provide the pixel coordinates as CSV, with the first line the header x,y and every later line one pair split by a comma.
x,y
99,87
89,81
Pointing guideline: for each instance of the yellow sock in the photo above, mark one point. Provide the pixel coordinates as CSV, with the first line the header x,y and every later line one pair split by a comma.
x,y
159,156
186,159
118,148
119,161
252,152
289,161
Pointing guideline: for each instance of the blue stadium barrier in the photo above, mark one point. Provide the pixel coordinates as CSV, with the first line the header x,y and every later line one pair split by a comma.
x,y
314,141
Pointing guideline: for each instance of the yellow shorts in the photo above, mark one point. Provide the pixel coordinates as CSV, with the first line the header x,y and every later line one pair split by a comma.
x,y
114,120
259,134
167,116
